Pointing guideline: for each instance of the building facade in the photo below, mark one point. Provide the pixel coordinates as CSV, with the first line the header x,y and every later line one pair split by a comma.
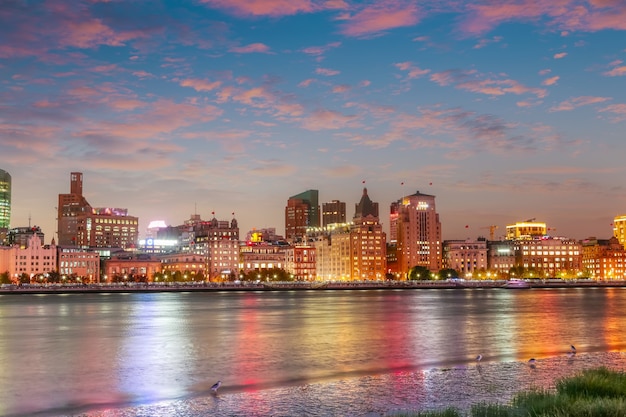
x,y
619,229
300,262
415,226
32,263
467,257
604,259
5,199
75,262
262,257
368,242
127,267
528,229
333,212
302,211
549,257
84,226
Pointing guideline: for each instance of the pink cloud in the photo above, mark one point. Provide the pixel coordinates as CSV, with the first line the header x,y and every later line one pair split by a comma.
x,y
320,50
338,89
551,80
476,83
161,117
413,71
200,85
306,82
326,71
274,8
560,55
563,15
328,119
616,72
253,47
576,102
381,16
545,71
617,109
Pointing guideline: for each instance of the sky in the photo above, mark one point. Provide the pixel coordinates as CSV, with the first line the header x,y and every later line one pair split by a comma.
x,y
504,110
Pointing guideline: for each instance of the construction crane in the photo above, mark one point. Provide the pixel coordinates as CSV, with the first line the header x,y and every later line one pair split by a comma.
x,y
492,230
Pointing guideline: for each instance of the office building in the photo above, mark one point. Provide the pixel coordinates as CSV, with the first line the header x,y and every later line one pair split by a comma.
x,y
548,257
302,211
619,229
416,230
368,242
528,229
81,225
467,257
333,212
5,199
603,259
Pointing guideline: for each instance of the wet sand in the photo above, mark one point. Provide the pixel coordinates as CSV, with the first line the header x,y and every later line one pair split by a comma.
x,y
459,386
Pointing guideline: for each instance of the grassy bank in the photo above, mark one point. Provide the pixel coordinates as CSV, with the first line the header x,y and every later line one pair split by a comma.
x,y
593,393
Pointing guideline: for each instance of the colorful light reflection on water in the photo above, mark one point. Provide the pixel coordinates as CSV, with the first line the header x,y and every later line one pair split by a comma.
x,y
70,354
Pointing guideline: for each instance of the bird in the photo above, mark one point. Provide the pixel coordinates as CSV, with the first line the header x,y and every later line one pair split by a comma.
x,y
572,348
479,358
532,362
216,386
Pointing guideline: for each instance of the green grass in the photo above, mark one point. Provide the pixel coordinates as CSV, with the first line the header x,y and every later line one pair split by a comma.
x,y
593,393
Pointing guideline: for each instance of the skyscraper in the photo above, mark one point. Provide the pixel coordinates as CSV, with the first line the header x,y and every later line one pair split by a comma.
x,y
302,211
416,229
333,212
368,242
5,199
80,224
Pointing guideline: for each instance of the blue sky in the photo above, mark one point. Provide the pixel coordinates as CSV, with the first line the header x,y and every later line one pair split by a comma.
x,y
504,110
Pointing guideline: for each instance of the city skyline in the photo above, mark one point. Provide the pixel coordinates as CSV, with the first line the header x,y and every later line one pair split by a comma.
x,y
504,111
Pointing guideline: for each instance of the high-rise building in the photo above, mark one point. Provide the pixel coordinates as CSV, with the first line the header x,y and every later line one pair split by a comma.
x,y
81,225
302,211
333,212
528,229
415,227
5,199
619,229
367,242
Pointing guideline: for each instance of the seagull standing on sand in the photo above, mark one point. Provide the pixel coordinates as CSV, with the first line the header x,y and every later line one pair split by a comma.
x,y
216,386
479,358
532,362
572,348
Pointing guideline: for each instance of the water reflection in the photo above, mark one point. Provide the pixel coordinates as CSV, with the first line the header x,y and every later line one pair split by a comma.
x,y
68,353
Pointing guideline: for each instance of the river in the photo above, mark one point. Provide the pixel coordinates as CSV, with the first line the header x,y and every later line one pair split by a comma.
x,y
297,353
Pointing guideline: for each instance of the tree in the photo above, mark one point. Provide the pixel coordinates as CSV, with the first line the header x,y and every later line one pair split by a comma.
x,y
448,273
419,273
4,278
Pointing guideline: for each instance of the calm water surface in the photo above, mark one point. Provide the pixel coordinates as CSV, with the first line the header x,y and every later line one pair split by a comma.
x,y
317,353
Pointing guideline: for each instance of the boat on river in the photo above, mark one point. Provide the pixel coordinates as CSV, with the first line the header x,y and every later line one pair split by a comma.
x,y
516,283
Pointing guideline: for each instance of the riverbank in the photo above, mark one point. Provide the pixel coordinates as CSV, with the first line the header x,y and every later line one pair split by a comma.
x,y
296,286
386,395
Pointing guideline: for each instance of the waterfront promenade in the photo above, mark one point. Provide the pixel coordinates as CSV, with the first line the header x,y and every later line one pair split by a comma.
x,y
293,286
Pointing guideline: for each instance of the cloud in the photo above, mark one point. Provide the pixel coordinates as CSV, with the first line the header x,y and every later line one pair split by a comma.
x,y
560,55
381,16
413,71
326,71
475,82
306,82
273,168
274,8
328,119
318,51
617,109
545,71
576,102
563,15
200,85
253,47
617,71
484,42
551,80
343,88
